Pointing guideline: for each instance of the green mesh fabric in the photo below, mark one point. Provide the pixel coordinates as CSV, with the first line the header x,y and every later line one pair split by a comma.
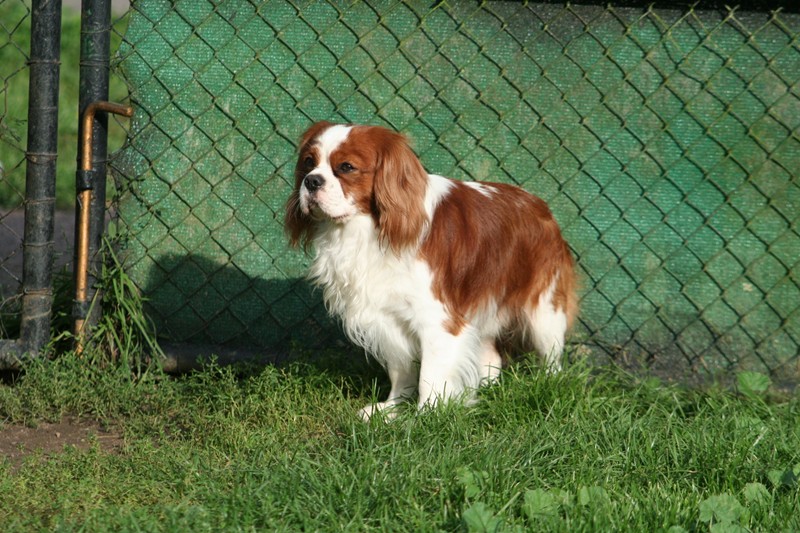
x,y
666,142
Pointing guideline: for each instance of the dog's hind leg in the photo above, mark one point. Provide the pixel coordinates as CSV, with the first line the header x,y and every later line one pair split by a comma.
x,y
548,338
548,329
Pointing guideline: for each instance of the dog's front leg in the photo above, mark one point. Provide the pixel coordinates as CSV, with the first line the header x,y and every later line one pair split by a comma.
x,y
449,367
404,383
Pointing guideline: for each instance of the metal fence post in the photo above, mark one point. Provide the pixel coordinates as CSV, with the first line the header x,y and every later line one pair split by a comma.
x,y
94,79
40,183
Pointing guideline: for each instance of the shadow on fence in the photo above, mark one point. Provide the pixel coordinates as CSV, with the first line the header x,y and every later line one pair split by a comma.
x,y
197,299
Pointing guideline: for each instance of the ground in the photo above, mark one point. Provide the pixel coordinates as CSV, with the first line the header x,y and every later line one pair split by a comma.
x,y
19,442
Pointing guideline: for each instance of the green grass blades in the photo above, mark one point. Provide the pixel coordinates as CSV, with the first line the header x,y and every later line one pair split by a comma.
x,y
124,333
242,449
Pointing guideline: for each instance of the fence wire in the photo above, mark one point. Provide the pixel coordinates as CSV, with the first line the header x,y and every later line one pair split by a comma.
x,y
14,46
665,140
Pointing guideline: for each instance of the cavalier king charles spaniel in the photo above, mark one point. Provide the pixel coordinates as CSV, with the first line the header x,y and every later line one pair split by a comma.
x,y
436,278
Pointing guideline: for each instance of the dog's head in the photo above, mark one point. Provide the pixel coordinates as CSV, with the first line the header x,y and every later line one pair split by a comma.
x,y
343,171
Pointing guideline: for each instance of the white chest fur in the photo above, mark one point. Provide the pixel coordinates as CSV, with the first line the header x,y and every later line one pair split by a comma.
x,y
382,298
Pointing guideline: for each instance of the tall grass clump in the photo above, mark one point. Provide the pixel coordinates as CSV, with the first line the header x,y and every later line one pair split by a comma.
x,y
123,333
118,353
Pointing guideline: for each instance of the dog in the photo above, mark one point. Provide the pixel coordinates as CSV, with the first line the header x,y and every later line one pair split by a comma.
x,y
432,276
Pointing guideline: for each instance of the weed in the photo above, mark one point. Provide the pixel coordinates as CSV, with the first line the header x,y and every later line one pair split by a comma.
x,y
123,334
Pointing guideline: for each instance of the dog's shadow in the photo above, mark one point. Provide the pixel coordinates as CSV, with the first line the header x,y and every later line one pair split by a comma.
x,y
202,310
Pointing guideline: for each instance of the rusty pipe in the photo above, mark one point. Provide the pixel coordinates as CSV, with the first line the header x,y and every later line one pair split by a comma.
x,y
84,203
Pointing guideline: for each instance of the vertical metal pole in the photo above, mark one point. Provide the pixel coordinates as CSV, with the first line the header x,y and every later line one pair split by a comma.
x,y
85,177
94,75
42,152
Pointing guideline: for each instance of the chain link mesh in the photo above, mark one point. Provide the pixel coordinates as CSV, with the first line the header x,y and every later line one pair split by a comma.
x,y
665,140
14,46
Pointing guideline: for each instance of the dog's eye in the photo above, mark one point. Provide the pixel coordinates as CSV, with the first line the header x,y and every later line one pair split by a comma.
x,y
308,163
346,167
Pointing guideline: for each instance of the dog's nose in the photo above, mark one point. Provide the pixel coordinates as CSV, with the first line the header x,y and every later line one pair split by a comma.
x,y
313,182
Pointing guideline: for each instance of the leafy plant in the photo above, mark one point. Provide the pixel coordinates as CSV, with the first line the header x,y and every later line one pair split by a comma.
x,y
722,509
472,482
540,503
593,496
785,478
756,494
480,518
753,384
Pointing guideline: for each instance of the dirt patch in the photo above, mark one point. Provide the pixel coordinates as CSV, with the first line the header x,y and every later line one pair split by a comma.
x,y
18,442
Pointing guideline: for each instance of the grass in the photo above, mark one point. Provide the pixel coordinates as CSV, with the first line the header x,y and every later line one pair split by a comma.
x,y
14,49
229,449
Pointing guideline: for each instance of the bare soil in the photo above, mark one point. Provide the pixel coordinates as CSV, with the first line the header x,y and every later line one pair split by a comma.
x,y
49,439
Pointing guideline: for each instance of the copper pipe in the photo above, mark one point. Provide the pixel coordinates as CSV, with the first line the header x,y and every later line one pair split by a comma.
x,y
88,122
84,204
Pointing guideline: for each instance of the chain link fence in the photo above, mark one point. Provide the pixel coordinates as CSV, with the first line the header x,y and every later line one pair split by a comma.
x,y
667,142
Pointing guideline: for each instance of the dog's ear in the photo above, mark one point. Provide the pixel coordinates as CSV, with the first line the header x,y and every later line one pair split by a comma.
x,y
298,226
399,188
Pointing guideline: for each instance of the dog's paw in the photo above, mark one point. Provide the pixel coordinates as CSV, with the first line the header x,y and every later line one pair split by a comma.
x,y
383,410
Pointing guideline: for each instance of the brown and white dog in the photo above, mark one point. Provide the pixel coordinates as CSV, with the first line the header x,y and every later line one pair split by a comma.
x,y
434,277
